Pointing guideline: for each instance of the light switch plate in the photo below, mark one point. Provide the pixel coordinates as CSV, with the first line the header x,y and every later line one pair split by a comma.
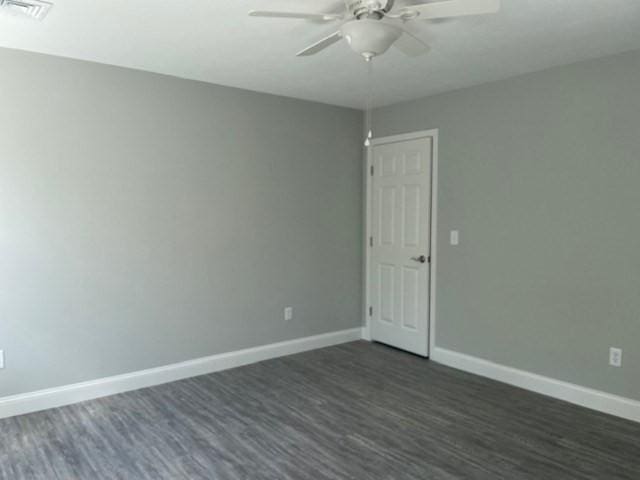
x,y
288,313
1,358
454,237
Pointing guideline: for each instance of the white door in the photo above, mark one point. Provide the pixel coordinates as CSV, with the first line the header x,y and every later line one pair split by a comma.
x,y
400,244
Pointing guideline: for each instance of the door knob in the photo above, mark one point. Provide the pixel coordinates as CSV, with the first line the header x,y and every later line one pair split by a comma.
x,y
421,259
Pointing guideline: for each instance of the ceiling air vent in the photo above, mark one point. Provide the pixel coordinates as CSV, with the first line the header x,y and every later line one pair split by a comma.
x,y
32,8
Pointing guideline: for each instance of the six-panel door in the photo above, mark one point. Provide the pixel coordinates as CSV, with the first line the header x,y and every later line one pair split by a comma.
x,y
399,268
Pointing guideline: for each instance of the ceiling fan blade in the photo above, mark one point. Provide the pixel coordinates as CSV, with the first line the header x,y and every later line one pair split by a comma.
x,y
451,8
320,45
327,17
411,45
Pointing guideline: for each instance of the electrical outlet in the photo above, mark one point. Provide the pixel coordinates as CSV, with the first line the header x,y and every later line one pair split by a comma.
x,y
1,358
615,357
288,313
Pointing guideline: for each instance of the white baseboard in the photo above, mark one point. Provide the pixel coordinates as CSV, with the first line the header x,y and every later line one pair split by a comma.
x,y
569,392
79,392
366,333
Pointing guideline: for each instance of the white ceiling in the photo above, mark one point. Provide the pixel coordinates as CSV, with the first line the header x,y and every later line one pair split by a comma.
x,y
215,41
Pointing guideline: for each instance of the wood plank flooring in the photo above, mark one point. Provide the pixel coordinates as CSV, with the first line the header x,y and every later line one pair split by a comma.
x,y
355,411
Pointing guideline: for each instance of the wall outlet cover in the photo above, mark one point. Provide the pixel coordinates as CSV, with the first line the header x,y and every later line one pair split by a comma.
x,y
615,357
288,313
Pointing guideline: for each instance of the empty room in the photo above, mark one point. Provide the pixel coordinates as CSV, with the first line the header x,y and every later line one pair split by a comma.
x,y
320,240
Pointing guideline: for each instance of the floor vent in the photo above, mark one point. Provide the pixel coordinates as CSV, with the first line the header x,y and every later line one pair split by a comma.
x,y
32,8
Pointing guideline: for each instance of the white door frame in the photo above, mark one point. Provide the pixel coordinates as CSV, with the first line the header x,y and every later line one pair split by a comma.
x,y
433,134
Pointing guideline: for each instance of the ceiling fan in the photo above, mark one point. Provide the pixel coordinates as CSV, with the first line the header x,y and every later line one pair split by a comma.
x,y
371,27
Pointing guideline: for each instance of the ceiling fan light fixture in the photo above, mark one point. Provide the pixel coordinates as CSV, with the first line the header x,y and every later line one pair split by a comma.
x,y
370,38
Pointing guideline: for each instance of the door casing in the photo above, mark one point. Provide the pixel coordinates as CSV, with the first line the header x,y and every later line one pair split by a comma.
x,y
433,134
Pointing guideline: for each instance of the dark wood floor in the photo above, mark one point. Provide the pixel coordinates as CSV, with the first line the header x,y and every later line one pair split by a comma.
x,y
355,411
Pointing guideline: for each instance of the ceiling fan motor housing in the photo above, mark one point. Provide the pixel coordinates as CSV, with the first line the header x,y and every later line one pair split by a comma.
x,y
369,8
370,38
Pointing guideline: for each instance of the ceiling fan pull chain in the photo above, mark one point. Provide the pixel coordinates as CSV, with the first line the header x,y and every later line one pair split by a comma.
x,y
368,115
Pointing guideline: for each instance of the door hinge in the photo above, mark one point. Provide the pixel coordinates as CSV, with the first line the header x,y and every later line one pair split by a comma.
x,y
371,170
371,241
429,259
370,311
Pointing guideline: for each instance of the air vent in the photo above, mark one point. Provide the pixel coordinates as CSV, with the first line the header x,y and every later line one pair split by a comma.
x,y
32,8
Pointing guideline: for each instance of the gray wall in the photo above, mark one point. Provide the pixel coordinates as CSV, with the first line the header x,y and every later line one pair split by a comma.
x,y
541,174
146,220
